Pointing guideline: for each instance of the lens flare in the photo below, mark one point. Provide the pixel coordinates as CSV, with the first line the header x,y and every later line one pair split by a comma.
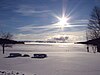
x,y
62,22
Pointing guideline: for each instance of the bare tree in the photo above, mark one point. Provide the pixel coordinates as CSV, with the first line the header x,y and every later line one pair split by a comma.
x,y
94,24
5,36
93,31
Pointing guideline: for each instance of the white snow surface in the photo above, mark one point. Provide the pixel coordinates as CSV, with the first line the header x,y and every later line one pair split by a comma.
x,y
62,60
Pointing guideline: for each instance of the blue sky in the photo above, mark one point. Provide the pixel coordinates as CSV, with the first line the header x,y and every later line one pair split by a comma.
x,y
35,19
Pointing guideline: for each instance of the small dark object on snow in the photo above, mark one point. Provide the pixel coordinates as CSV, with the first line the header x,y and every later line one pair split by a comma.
x,y
15,55
39,56
25,55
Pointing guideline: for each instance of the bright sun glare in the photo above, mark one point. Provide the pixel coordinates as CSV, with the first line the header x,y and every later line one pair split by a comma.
x,y
63,22
63,19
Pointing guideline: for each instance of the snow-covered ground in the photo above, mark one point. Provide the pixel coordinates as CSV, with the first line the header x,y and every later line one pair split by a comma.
x,y
67,59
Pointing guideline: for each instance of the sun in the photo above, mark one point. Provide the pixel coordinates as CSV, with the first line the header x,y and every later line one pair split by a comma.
x,y
62,22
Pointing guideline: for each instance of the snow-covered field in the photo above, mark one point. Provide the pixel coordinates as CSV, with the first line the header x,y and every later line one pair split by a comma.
x,y
63,59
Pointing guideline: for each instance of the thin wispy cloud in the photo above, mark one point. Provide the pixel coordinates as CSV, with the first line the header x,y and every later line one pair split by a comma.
x,y
82,22
27,10
31,28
